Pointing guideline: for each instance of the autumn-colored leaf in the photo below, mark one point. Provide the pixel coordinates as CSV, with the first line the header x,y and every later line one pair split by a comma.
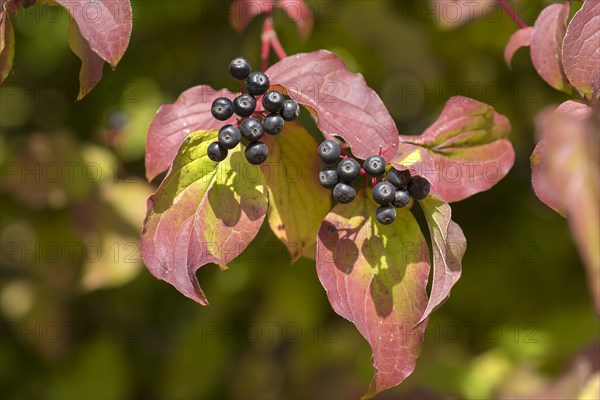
x,y
203,212
91,64
546,45
174,122
581,48
341,101
469,147
7,45
242,12
521,38
297,203
448,248
571,168
416,159
539,181
376,277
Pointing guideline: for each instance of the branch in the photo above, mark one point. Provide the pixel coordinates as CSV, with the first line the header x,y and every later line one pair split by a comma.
x,y
511,13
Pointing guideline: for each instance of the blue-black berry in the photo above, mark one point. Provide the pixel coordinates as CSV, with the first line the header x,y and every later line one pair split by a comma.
x,y
418,187
257,83
401,199
385,214
216,152
239,68
383,193
272,101
348,169
252,129
375,166
222,108
399,179
328,177
343,193
256,153
273,124
229,136
290,110
329,151
244,105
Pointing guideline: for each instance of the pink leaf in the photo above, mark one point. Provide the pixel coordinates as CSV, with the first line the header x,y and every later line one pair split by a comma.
x,y
546,45
416,159
91,64
521,38
173,122
571,169
203,212
298,11
581,48
7,45
539,180
468,145
376,277
448,248
341,101
104,24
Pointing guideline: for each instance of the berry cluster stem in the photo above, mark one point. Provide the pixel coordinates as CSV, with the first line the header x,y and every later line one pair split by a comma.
x,y
270,39
504,5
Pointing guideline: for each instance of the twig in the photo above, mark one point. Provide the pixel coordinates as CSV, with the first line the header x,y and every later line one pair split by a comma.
x,y
511,13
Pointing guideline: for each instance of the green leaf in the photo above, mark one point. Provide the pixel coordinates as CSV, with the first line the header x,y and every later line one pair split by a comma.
x,y
202,212
297,203
376,277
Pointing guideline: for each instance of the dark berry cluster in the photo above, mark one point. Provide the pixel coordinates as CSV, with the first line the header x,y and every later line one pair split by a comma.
x,y
393,192
275,111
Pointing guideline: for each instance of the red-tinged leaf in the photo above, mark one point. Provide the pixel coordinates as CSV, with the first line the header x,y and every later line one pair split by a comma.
x,y
297,202
539,180
104,24
203,212
242,12
416,159
448,248
341,101
572,169
174,122
581,48
469,147
298,11
7,45
521,38
376,277
91,64
546,45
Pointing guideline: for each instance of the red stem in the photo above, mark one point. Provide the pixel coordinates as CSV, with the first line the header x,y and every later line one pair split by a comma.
x,y
504,5
265,38
241,87
277,46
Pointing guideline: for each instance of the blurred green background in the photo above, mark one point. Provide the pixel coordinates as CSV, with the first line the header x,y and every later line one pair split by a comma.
x,y
81,317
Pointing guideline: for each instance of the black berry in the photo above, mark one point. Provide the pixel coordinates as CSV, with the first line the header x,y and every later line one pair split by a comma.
x,y
252,129
229,136
272,101
399,179
273,124
385,214
257,83
383,193
290,110
329,151
221,108
401,199
216,152
348,169
375,166
244,105
328,177
343,193
239,68
418,187
256,153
